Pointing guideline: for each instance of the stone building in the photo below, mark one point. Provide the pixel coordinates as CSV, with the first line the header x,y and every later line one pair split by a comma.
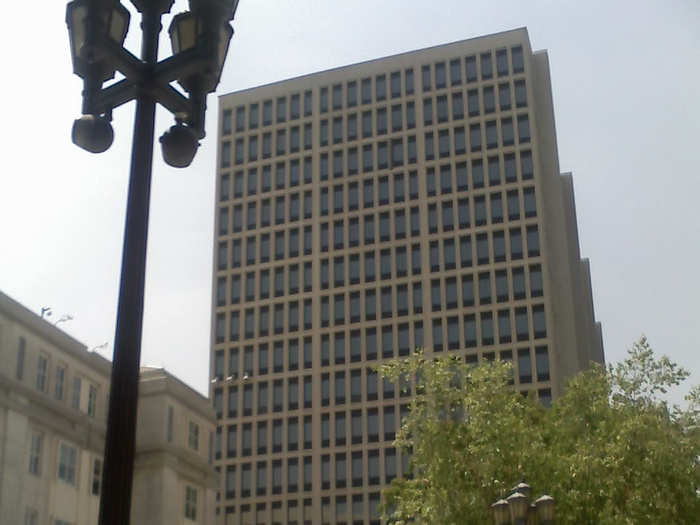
x,y
53,404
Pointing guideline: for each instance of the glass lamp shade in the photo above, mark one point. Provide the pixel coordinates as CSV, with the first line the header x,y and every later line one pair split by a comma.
x,y
518,503
76,15
110,22
501,514
188,31
184,31
545,508
225,35
117,23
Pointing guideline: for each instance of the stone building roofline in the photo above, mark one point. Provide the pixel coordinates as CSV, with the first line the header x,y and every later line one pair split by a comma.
x,y
41,327
153,381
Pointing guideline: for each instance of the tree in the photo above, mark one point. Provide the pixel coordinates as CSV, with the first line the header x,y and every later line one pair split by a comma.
x,y
610,450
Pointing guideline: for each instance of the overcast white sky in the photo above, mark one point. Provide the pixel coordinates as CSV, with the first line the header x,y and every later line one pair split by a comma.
x,y
625,77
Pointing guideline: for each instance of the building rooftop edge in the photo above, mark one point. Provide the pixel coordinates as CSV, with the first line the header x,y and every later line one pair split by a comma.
x,y
171,384
514,30
64,341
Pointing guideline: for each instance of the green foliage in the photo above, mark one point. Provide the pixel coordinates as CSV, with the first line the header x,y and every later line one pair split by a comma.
x,y
610,451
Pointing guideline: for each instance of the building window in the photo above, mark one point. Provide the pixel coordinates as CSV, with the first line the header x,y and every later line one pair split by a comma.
x,y
308,103
325,430
520,93
67,459
470,331
533,241
191,503
340,482
245,480
473,102
41,372
426,76
171,422
75,402
35,449
491,134
538,321
230,483
530,204
526,171
281,109
193,436
504,333
60,380
486,66
427,111
351,93
21,348
294,107
366,90
380,87
542,363
518,283
470,67
475,137
523,129
504,96
516,54
240,118
535,280
489,100
467,290
521,325
96,485
524,366
92,401
440,75
455,72
502,62
516,244
486,328
389,463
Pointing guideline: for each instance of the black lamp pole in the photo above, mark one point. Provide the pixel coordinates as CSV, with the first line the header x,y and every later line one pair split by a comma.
x,y
115,501
200,39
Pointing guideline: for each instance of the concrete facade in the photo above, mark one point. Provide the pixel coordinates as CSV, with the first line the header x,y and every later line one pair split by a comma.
x,y
409,201
53,404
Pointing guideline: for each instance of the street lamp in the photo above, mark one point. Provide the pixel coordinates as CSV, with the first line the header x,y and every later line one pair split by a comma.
x,y
518,504
545,509
200,39
516,509
501,514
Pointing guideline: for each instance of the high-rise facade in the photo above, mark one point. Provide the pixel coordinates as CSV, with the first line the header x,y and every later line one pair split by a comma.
x,y
409,201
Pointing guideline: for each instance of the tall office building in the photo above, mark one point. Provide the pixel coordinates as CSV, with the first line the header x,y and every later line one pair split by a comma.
x,y
409,201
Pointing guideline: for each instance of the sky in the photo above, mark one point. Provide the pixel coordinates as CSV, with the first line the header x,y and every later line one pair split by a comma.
x,y
625,80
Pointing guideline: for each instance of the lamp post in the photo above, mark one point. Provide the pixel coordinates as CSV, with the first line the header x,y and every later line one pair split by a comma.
x,y
516,509
200,39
